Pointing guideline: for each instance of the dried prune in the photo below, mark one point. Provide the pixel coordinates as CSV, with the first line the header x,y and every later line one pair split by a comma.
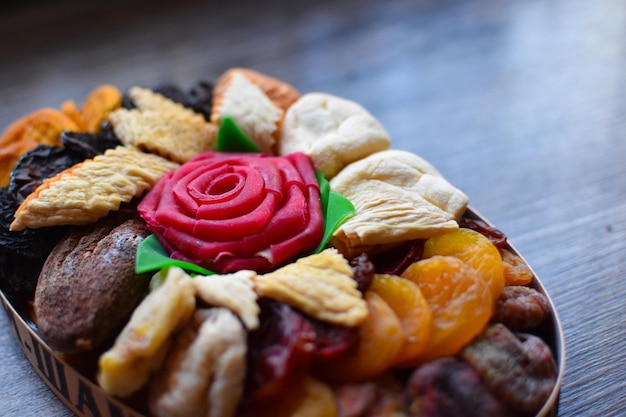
x,y
449,387
23,253
519,368
395,261
521,308
90,144
363,271
497,237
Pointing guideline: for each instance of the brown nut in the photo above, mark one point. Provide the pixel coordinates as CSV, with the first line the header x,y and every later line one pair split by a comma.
x,y
87,288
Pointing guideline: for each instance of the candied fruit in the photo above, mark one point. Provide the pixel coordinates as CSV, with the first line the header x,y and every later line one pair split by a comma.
x,y
459,299
474,249
406,300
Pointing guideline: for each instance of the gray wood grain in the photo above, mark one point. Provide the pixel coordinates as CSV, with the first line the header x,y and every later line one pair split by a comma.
x,y
522,104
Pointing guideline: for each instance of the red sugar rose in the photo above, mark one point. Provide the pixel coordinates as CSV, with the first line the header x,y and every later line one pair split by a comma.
x,y
233,211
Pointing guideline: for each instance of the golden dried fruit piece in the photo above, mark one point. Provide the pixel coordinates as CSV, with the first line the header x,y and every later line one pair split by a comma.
x,y
69,109
460,301
99,103
516,271
43,126
407,301
474,249
91,189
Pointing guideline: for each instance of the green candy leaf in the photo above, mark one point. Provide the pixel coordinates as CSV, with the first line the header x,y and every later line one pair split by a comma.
x,y
230,138
336,209
151,256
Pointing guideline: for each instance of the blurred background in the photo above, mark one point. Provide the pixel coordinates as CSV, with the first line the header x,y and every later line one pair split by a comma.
x,y
520,103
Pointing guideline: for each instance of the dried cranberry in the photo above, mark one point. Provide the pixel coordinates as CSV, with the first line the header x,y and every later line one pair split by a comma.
x,y
395,261
494,235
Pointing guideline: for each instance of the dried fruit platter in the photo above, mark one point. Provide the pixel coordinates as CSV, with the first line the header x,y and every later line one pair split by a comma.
x,y
241,245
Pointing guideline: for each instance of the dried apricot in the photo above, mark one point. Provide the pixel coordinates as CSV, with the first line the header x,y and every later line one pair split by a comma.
x,y
460,301
99,103
406,300
474,249
516,271
40,127
381,338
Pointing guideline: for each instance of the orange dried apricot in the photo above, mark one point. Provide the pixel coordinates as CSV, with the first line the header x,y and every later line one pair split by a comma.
x,y
69,109
460,301
473,248
381,338
99,103
406,300
516,271
43,126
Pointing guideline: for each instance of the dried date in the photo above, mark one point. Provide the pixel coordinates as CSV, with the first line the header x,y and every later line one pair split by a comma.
x,y
521,308
449,387
519,368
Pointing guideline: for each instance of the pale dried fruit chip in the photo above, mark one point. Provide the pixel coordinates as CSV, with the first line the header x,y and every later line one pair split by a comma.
x,y
333,131
172,135
251,109
99,103
141,347
148,100
204,374
320,285
91,189
233,291
398,197
282,94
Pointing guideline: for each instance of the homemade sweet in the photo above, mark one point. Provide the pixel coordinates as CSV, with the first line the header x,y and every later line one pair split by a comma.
x,y
243,250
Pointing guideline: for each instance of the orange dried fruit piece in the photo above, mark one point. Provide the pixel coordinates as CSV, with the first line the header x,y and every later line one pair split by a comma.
x,y
409,304
381,339
459,299
43,126
474,249
99,103
516,271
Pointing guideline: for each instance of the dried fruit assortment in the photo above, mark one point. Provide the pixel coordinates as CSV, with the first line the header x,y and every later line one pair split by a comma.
x,y
241,249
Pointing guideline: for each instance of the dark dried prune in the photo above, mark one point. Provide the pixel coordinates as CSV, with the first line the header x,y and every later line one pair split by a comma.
x,y
449,387
200,98
395,261
22,253
363,271
519,369
521,308
89,145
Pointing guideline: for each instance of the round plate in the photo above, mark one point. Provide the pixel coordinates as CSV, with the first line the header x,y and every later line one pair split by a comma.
x,y
86,399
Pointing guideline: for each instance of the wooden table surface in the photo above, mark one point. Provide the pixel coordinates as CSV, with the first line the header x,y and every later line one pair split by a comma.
x,y
521,104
